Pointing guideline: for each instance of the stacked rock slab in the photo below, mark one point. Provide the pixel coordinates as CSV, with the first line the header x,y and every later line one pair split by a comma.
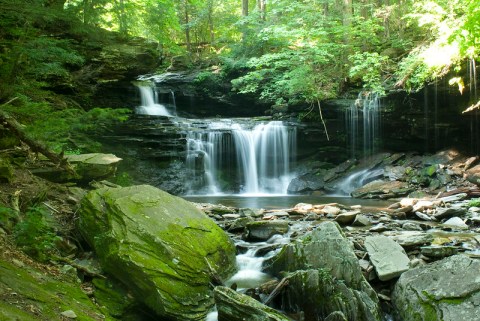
x,y
387,256
162,247
324,277
447,290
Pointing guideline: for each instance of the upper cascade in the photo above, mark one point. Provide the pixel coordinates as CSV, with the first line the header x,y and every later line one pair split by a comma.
x,y
149,102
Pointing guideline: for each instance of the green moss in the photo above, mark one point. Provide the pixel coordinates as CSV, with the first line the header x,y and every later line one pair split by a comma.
x,y
158,245
28,294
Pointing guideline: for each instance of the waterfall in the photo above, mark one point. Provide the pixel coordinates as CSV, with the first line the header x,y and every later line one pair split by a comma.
x,y
261,155
369,105
149,102
174,103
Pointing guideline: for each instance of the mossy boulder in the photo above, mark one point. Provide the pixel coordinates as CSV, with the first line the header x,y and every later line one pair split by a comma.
x,y
324,258
444,290
160,246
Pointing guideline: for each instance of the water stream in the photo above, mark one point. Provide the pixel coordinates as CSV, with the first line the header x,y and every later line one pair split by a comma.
x,y
256,157
149,102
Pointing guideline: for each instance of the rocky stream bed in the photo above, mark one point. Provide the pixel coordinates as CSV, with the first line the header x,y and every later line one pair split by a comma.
x,y
138,253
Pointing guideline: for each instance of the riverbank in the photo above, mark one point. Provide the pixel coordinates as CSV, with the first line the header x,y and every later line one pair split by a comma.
x,y
427,232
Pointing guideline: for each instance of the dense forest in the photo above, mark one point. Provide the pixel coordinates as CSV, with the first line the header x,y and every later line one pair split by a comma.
x,y
282,52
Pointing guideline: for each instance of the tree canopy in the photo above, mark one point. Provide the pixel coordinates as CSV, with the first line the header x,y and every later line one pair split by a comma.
x,y
283,51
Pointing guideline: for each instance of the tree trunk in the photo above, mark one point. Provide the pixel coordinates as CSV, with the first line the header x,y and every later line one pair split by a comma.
x,y
245,8
210,23
262,8
187,28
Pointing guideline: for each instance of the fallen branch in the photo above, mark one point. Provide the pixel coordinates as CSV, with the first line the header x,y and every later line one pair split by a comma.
x,y
11,123
323,121
276,291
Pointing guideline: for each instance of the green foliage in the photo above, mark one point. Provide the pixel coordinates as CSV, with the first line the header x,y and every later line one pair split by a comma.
x,y
35,234
474,202
66,129
8,218
369,67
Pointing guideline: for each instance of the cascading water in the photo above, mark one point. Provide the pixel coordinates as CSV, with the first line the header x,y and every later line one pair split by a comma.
x,y
368,122
261,155
149,102
363,134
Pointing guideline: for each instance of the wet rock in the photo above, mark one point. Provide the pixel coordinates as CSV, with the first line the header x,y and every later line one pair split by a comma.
x,y
305,183
444,290
331,210
263,230
394,173
347,217
424,217
321,296
234,306
455,222
361,220
409,226
380,227
239,224
443,213
323,252
387,256
436,251
410,238
453,198
382,189
160,246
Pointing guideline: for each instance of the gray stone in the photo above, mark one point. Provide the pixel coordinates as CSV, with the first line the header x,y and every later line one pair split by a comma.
x,y
94,166
240,224
410,238
346,218
453,198
444,290
436,251
234,306
382,189
409,226
387,256
326,252
164,249
361,220
69,314
318,294
442,213
263,230
455,222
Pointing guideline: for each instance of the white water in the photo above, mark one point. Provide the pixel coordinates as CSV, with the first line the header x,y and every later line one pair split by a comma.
x,y
149,101
258,159
249,274
363,129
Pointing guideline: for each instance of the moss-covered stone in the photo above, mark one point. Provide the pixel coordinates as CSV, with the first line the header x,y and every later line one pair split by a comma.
x,y
162,247
320,259
444,290
28,294
234,306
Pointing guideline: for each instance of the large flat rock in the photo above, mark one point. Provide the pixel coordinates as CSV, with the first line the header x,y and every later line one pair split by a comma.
x,y
387,256
447,290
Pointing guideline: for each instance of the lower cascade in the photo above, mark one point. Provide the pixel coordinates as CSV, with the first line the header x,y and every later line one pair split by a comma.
x,y
256,159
